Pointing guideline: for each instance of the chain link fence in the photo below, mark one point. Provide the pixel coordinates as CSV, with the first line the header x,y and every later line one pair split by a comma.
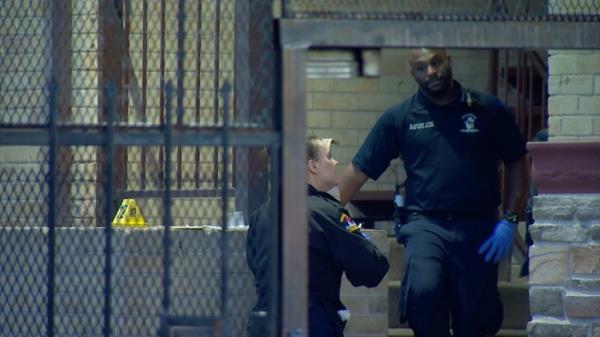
x,y
168,103
443,10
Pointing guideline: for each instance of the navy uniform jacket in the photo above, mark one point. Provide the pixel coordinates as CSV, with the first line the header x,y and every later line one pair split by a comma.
x,y
333,250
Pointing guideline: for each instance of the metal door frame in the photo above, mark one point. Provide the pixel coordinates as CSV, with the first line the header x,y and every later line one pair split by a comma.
x,y
296,36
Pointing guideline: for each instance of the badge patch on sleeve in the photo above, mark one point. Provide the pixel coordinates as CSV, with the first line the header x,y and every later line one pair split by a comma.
x,y
351,226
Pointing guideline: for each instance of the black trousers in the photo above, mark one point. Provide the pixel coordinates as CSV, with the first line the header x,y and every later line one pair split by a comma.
x,y
323,320
446,279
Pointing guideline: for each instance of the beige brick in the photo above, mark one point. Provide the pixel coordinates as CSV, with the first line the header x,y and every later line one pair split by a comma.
x,y
571,84
474,82
346,137
545,327
378,304
405,85
319,85
563,105
309,101
318,119
353,119
356,85
596,126
335,101
548,264
376,102
580,126
588,64
356,304
368,323
476,65
586,260
344,154
582,305
362,135
554,126
562,64
589,105
394,65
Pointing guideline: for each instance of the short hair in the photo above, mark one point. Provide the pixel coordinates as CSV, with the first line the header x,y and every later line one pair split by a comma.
x,y
313,148
315,144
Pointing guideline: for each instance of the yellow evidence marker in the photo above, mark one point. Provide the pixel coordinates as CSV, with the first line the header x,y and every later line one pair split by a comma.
x,y
129,215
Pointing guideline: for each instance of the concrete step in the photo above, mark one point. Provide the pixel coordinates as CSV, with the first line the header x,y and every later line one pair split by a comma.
x,y
404,332
514,296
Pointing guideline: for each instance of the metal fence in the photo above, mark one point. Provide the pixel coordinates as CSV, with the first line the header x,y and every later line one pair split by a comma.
x,y
167,103
443,10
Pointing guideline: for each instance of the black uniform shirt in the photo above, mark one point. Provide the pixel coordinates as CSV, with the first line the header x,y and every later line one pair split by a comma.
x,y
451,153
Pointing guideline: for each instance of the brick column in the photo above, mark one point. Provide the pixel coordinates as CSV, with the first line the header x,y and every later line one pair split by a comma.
x,y
565,266
574,89
573,86
565,258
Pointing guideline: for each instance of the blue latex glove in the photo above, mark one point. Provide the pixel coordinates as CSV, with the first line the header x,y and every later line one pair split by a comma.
x,y
498,244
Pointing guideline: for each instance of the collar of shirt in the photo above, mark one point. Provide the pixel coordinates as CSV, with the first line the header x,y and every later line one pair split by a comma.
x,y
313,191
422,101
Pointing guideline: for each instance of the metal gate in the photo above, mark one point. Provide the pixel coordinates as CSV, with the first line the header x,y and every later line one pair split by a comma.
x,y
136,137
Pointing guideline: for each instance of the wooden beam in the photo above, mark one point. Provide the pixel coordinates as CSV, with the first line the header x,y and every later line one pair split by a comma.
x,y
357,33
294,224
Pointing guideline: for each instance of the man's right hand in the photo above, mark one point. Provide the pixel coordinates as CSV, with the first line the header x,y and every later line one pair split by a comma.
x,y
499,243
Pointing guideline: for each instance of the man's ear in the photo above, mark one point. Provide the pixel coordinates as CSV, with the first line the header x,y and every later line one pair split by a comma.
x,y
311,165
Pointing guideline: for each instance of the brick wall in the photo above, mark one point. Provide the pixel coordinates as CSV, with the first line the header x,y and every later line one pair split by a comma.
x,y
137,267
346,109
574,89
565,266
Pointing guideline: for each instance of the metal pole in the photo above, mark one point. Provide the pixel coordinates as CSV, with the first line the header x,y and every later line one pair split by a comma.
x,y
274,314
225,317
180,75
51,179
108,188
167,125
216,87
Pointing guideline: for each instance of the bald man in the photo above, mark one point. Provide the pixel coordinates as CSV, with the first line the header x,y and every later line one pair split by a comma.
x,y
451,140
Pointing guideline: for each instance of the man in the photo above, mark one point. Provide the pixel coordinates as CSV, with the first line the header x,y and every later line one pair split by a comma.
x,y
336,245
451,140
